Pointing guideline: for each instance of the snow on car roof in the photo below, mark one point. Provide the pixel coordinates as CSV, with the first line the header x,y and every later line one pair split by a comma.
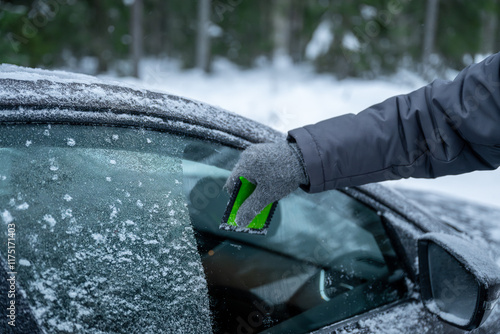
x,y
63,91
8,71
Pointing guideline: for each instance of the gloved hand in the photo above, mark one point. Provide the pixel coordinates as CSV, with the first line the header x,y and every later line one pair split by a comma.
x,y
276,168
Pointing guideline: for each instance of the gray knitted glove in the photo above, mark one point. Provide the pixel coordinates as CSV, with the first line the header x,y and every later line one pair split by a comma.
x,y
276,168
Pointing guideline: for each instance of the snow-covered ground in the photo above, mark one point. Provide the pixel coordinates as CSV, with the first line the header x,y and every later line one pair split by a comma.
x,y
285,97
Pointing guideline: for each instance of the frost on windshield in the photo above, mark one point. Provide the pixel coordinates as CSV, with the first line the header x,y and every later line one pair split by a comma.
x,y
104,243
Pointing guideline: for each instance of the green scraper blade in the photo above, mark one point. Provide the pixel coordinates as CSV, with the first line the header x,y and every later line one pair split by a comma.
x,y
242,191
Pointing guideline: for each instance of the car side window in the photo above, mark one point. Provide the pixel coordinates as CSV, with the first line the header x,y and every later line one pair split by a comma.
x,y
326,256
102,238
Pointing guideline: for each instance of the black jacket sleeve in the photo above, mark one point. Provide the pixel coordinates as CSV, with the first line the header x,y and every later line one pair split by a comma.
x,y
440,129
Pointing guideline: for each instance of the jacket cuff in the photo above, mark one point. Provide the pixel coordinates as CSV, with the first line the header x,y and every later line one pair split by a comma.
x,y
310,153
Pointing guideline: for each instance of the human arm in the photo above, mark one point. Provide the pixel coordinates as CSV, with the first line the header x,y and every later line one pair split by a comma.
x,y
440,129
446,127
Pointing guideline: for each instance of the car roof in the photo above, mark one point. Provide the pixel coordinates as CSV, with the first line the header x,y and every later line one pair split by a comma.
x,y
57,96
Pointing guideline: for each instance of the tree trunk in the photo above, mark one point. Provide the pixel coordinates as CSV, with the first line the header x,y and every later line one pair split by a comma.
x,y
430,28
153,26
203,38
297,43
99,45
281,30
165,42
137,36
489,28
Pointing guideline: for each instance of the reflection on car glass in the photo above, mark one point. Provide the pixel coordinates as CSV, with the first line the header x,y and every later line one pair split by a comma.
x,y
321,250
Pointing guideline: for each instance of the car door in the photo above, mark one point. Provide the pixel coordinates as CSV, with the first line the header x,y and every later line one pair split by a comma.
x,y
116,229
336,262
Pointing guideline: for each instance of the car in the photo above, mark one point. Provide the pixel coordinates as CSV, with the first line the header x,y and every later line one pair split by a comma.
x,y
111,197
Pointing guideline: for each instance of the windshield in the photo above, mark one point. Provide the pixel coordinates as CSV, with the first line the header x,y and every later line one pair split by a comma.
x,y
112,224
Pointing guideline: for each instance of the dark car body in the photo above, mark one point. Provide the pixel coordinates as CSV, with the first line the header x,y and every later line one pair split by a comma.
x,y
54,102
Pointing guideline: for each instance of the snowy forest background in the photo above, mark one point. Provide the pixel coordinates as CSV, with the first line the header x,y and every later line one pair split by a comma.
x,y
285,63
348,38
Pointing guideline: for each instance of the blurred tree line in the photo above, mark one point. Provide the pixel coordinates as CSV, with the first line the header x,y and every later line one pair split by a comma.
x,y
349,38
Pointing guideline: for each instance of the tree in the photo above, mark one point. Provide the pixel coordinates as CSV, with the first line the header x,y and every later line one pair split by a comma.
x,y
137,35
489,15
203,36
430,27
281,29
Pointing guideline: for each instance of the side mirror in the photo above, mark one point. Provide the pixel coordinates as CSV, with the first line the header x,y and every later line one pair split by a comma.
x,y
459,283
